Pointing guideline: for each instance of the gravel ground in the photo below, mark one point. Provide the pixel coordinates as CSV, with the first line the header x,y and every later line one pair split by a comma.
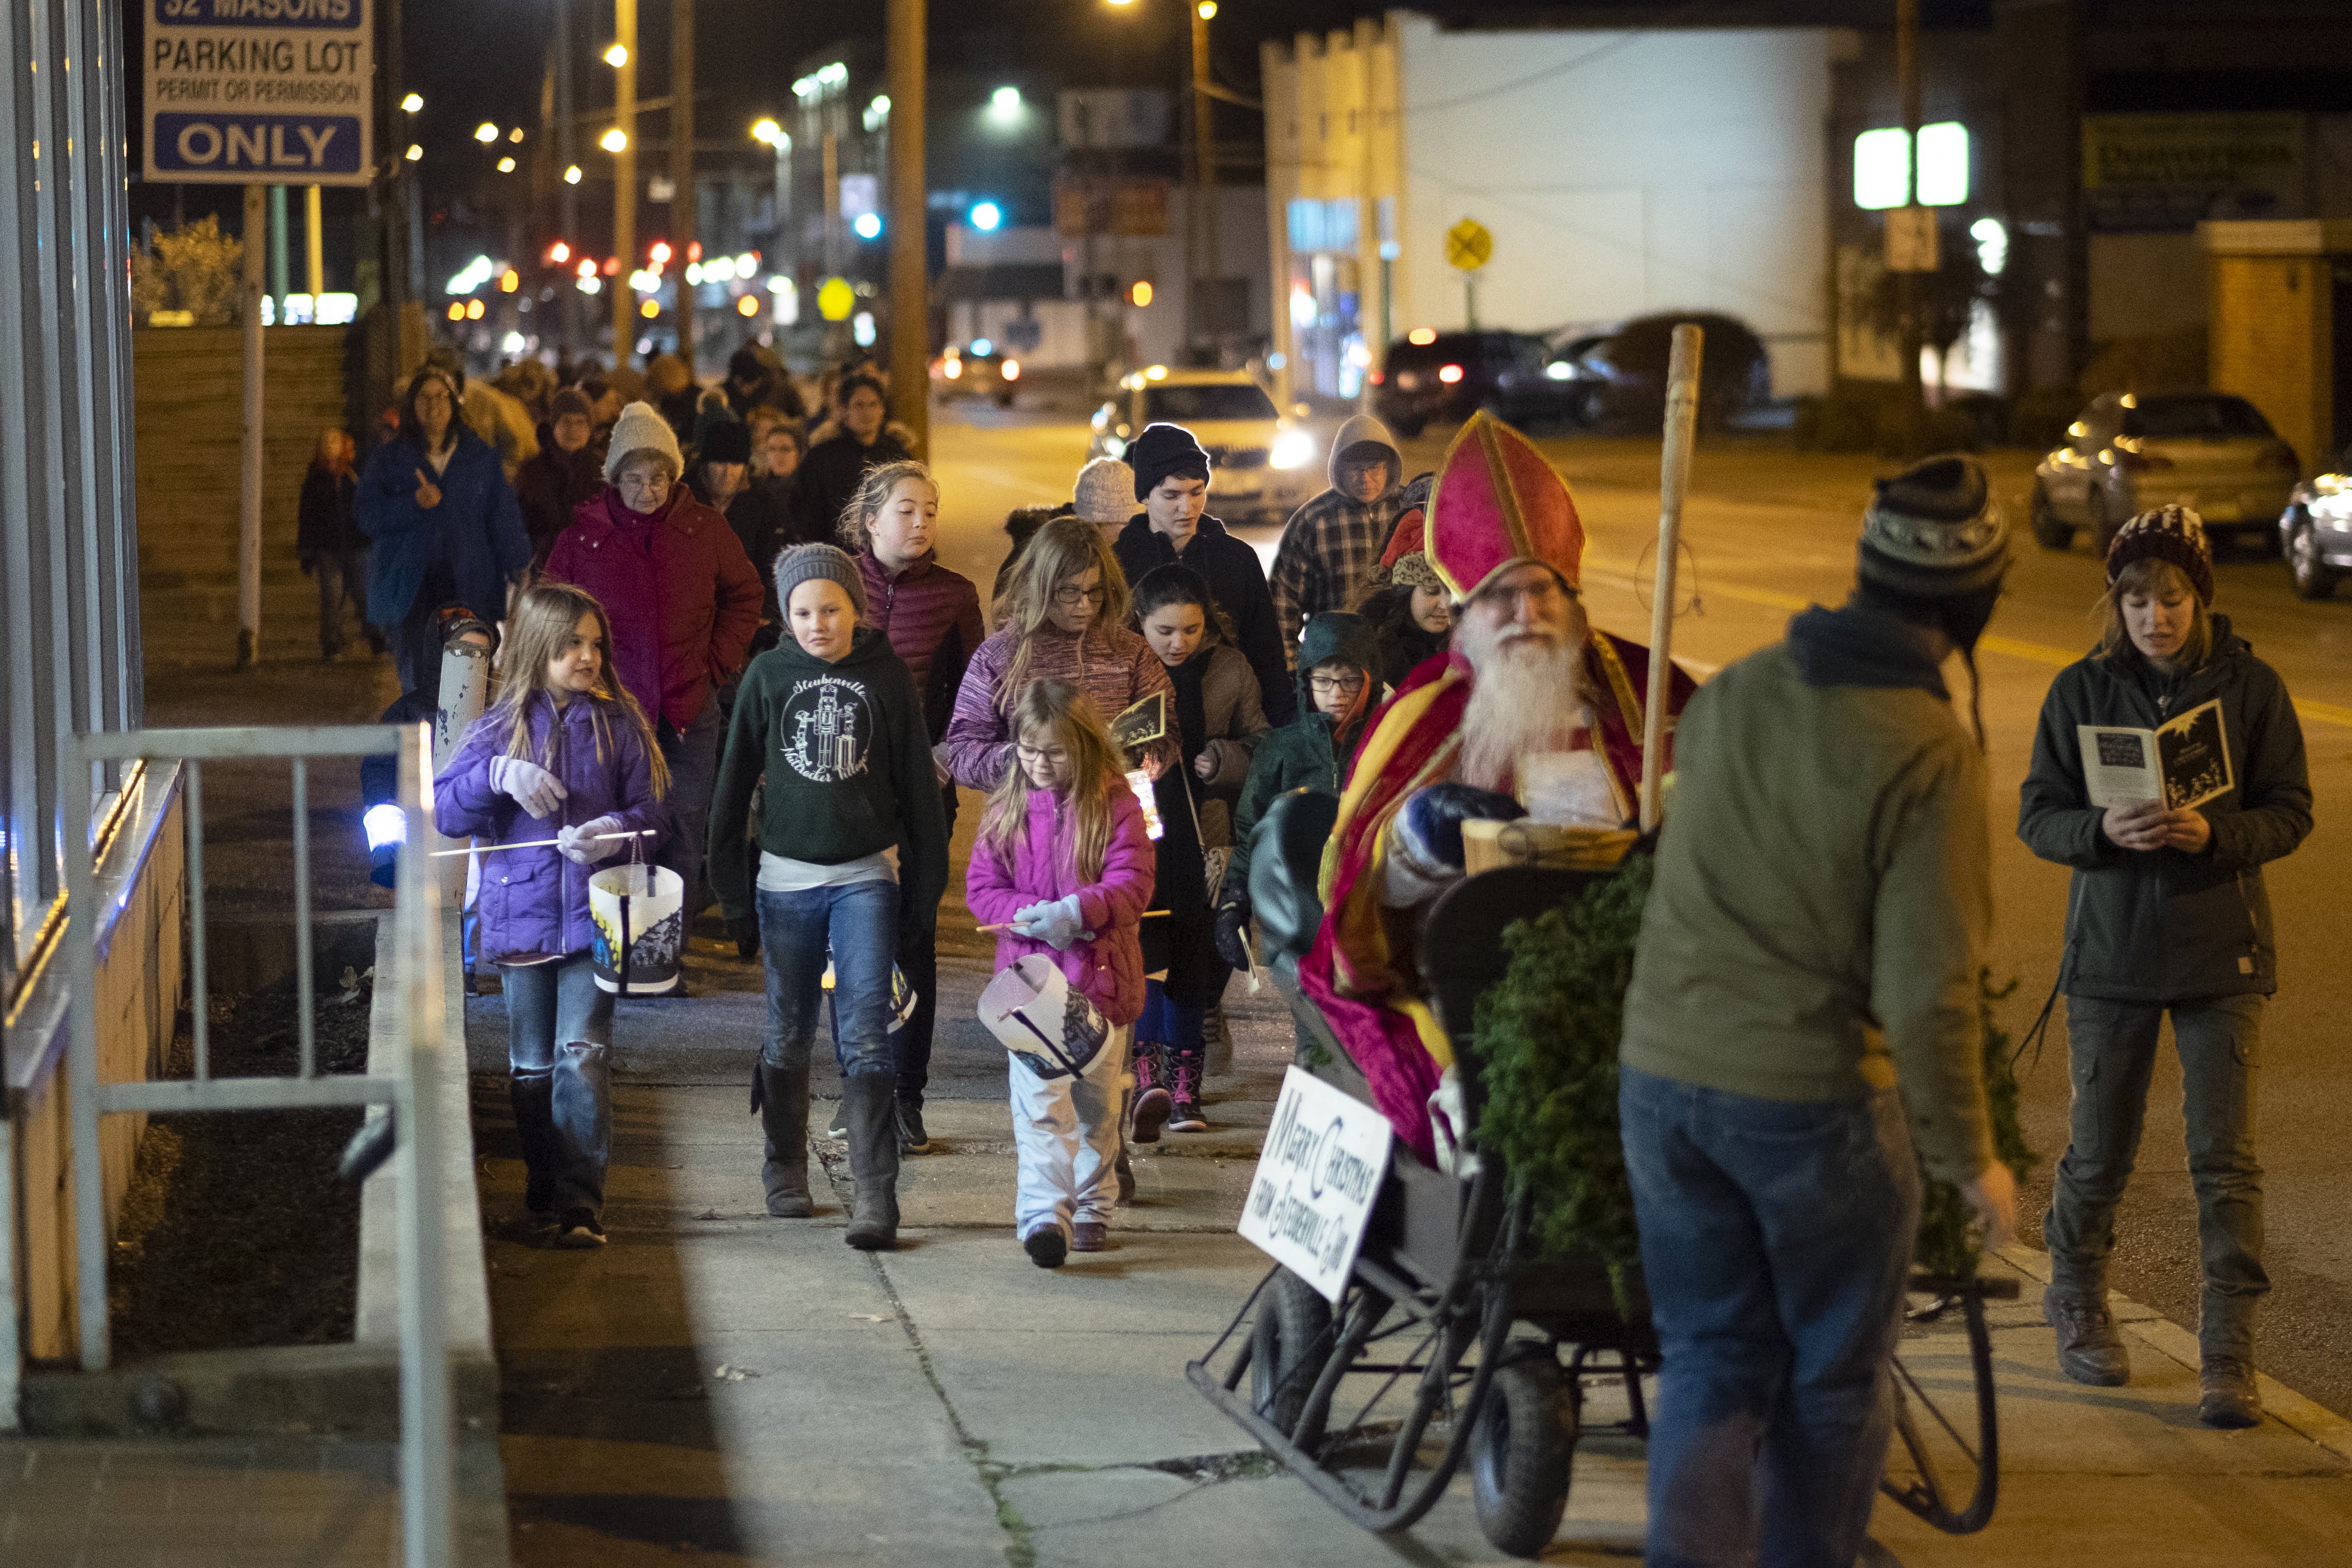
x,y
236,1232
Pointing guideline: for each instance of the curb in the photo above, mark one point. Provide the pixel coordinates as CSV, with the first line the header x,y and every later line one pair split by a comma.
x,y
2308,1419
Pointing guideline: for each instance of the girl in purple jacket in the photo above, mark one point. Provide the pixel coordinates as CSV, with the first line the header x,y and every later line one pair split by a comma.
x,y
1063,860
564,754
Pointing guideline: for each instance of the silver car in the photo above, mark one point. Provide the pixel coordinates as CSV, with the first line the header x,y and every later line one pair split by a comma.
x,y
2316,530
2210,452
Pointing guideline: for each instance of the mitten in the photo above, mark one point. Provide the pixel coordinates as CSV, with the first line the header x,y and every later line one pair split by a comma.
x,y
533,787
1429,836
1060,925
1233,933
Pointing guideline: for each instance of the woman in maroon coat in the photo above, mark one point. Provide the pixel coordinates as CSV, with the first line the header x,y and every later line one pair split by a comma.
x,y
931,616
684,601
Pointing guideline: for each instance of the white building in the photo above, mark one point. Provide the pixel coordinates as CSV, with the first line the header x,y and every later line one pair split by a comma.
x,y
1619,173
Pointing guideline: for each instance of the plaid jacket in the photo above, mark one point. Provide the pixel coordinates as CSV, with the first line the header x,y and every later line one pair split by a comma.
x,y
1329,550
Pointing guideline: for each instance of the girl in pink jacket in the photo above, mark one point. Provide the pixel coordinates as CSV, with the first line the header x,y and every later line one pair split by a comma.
x,y
1063,860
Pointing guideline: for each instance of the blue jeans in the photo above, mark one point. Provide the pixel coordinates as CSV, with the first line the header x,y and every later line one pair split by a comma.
x,y
559,1023
1775,1238
860,922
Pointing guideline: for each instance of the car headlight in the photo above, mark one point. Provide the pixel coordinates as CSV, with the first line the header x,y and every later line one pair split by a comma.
x,y
1292,448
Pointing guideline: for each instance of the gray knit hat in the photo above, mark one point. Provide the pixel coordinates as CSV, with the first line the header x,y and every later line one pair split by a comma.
x,y
1106,492
641,428
805,563
1933,531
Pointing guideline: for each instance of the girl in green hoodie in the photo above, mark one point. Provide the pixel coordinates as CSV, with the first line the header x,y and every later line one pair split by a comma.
x,y
852,840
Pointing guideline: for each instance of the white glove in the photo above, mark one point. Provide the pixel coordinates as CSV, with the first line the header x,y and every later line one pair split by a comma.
x,y
534,788
1056,923
584,844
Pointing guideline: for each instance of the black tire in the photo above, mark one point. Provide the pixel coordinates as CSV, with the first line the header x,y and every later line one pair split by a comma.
x,y
2048,531
1520,1455
2313,577
1288,1345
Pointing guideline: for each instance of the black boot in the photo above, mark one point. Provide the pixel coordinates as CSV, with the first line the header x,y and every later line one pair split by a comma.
x,y
581,1101
780,1095
531,1093
869,1108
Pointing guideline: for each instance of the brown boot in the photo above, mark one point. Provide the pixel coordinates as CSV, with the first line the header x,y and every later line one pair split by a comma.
x,y
780,1097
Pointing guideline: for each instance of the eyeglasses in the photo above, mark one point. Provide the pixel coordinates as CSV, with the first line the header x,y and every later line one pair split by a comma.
x,y
1345,686
1032,754
1071,594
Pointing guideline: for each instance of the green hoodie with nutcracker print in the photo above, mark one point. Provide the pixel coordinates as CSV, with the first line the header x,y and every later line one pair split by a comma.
x,y
841,762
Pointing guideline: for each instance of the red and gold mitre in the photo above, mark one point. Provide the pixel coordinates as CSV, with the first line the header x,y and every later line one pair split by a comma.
x,y
1496,503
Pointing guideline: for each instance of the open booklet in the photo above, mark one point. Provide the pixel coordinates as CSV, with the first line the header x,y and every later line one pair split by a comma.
x,y
2183,763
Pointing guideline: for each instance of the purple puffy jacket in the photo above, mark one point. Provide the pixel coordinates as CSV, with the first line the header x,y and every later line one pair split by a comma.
x,y
535,900
1108,969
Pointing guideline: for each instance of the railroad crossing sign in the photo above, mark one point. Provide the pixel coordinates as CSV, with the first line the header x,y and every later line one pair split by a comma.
x,y
1468,245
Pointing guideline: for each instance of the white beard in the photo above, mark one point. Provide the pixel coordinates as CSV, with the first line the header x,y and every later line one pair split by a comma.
x,y
1528,698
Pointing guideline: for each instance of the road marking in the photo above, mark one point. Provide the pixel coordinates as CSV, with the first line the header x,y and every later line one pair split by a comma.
x,y
2310,712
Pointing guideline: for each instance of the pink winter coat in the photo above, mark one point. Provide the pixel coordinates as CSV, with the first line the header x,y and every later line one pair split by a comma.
x,y
1108,969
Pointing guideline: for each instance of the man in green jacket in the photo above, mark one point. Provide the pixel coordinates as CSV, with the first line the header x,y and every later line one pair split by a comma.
x,y
1804,1008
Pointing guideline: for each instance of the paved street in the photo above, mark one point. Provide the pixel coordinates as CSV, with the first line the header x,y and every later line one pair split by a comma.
x,y
1769,531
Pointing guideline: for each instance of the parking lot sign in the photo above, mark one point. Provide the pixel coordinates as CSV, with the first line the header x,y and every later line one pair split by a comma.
x,y
270,92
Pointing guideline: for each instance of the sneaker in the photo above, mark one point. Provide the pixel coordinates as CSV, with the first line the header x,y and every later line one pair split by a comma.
x,y
914,1138
1153,1104
2226,1394
1046,1248
1089,1235
578,1229
2089,1348
1184,1095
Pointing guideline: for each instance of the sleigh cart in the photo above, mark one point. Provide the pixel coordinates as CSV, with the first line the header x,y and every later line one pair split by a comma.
x,y
1454,1340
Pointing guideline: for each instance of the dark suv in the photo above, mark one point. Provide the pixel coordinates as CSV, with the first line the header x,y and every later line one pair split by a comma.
x,y
1445,377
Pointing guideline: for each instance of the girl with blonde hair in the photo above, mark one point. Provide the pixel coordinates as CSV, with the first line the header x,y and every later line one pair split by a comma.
x,y
564,754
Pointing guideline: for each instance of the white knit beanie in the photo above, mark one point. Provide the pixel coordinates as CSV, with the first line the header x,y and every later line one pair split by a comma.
x,y
641,428
1106,492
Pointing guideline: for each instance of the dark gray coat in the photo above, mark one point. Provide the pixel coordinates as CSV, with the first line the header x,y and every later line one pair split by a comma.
x,y
2162,925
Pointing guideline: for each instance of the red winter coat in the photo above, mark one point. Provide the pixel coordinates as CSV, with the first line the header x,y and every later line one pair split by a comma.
x,y
1108,969
683,597
931,616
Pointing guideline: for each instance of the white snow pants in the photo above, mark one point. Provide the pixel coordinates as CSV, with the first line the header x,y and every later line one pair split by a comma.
x,y
1067,1133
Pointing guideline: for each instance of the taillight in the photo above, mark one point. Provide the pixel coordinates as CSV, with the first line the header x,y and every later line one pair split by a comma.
x,y
1011,369
1449,375
1379,378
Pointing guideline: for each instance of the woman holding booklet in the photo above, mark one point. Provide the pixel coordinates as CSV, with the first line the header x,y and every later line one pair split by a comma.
x,y
2167,768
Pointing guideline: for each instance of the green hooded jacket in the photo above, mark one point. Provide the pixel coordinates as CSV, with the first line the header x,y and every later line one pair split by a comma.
x,y
1302,754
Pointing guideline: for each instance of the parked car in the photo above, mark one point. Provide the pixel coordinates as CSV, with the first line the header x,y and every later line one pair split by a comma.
x,y
1433,377
1262,466
2127,453
2316,530
978,370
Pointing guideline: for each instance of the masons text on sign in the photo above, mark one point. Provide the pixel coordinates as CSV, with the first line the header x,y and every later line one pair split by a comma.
x,y
259,91
1318,1175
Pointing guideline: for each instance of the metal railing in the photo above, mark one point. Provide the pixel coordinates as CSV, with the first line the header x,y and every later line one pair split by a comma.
x,y
426,1415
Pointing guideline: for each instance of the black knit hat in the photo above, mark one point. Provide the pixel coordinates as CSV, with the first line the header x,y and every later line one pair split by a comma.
x,y
729,440
1933,531
1163,450
2173,534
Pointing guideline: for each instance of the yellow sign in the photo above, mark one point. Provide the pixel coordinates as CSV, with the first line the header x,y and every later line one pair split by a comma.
x,y
836,299
1468,245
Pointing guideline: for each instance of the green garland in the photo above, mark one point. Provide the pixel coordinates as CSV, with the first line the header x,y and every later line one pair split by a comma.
x,y
1548,1034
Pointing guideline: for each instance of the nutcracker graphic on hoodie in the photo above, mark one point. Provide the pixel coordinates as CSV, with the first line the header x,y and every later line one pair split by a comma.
x,y
826,728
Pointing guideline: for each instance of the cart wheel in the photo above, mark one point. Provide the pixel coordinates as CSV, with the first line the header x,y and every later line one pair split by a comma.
x,y
1519,1458
1288,1345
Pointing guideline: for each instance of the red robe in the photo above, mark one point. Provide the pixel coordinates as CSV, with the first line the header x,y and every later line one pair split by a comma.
x,y
1359,971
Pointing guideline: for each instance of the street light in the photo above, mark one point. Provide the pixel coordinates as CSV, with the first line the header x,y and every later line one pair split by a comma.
x,y
616,57
516,134
986,216
506,165
867,226
614,140
1005,104
571,174
414,152
413,103
485,132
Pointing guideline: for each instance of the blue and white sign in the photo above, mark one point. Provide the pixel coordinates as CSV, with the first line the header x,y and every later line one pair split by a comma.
x,y
271,92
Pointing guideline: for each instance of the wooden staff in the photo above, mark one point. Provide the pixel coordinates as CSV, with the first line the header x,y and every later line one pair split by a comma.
x,y
1674,480
537,844
1007,926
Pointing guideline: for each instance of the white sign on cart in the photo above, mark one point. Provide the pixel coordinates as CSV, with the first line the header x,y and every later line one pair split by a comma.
x,y
1317,1177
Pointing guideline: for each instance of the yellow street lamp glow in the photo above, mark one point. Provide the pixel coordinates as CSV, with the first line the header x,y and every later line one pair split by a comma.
x,y
486,131
616,57
747,306
649,310
509,280
571,174
413,103
506,165
516,134
473,309
414,152
614,140
767,131
1208,9
457,310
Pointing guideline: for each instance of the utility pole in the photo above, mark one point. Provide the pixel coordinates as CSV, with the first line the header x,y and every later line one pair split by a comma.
x,y
314,270
248,509
681,167
1203,242
566,154
911,310
1906,283
624,181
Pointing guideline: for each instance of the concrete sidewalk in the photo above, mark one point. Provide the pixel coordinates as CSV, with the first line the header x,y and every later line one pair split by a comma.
x,y
718,1383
